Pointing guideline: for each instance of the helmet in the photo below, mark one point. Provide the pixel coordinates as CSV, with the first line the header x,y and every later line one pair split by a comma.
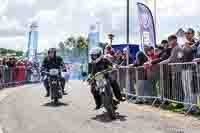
x,y
95,53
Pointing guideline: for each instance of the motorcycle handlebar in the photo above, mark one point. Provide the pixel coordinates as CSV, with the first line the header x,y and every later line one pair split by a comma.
x,y
102,72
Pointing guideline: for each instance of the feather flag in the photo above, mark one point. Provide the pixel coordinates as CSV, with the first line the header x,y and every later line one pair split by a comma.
x,y
147,28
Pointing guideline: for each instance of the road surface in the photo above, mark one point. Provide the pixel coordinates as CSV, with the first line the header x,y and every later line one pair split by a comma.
x,y
25,110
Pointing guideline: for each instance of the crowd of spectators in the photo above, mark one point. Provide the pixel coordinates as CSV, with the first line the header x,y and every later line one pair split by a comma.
x,y
168,51
117,57
15,71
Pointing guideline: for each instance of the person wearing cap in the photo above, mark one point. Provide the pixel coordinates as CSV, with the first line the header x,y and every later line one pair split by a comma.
x,y
192,42
108,49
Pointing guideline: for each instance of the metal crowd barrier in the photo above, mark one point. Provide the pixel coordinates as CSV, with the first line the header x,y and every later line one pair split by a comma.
x,y
175,82
10,77
126,89
147,83
180,83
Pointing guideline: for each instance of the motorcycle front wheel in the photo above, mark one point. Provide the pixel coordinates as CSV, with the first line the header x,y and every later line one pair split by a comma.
x,y
111,112
109,104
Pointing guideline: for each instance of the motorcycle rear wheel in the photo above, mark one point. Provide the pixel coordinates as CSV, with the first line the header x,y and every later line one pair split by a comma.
x,y
55,100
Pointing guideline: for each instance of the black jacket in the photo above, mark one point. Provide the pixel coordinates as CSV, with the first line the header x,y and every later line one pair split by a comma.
x,y
141,58
163,56
102,64
55,63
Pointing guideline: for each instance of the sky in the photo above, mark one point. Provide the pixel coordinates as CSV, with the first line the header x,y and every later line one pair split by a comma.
x,y
58,19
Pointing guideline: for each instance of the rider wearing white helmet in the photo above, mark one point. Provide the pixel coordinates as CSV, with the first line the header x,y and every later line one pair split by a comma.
x,y
98,64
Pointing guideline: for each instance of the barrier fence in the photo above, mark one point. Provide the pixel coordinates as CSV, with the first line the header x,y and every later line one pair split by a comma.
x,y
176,82
10,77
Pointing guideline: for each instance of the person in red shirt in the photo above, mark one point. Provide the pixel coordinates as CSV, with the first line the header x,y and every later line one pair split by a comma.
x,y
151,53
108,49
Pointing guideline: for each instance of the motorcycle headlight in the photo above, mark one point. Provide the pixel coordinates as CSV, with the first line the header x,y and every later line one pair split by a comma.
x,y
54,72
101,83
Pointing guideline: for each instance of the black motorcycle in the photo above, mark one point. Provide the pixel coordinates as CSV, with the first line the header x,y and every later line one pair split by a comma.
x,y
54,81
102,85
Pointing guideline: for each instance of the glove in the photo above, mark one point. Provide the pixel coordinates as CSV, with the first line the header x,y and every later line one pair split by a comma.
x,y
42,74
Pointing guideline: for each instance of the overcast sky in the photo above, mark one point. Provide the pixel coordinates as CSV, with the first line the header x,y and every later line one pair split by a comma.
x,y
60,18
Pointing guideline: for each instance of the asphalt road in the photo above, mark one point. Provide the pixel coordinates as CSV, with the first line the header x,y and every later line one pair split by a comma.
x,y
25,110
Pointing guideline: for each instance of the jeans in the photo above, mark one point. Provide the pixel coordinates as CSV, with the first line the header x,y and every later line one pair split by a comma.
x,y
189,97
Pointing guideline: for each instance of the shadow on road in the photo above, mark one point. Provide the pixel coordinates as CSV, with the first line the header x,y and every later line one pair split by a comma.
x,y
52,104
105,119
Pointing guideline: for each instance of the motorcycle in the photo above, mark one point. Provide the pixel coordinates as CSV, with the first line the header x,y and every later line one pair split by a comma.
x,y
103,87
53,77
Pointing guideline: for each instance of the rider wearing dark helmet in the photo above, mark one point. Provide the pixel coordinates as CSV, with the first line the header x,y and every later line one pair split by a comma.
x,y
52,62
99,63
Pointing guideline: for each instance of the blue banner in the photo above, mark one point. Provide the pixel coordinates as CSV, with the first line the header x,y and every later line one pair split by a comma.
x,y
93,38
33,44
133,49
147,28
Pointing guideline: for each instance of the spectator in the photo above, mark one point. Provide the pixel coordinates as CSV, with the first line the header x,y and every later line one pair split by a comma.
x,y
189,36
180,55
28,66
124,58
118,57
188,77
151,53
20,72
158,51
176,51
1,62
164,44
108,49
110,56
4,61
141,58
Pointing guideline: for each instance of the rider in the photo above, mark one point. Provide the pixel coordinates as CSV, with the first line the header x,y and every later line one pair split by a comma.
x,y
50,62
98,64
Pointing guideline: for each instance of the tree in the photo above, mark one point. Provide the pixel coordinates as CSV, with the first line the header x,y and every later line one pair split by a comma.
x,y
70,42
82,45
82,42
3,51
19,53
